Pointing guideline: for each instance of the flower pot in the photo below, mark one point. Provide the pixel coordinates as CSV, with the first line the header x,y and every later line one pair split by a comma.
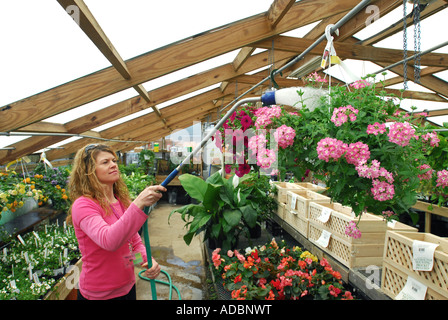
x,y
255,232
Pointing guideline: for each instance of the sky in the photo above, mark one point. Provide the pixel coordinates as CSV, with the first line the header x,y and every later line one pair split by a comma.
x,y
42,47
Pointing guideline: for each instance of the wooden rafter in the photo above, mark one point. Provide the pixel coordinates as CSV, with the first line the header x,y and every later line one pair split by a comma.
x,y
278,10
93,30
354,51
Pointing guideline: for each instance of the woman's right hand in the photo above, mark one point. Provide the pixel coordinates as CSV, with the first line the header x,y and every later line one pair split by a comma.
x,y
149,196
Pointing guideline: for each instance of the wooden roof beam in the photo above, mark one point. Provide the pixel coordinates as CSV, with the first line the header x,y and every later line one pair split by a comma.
x,y
92,29
278,10
44,126
353,51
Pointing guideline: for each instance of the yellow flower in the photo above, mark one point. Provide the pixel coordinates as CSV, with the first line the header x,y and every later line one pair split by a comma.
x,y
307,254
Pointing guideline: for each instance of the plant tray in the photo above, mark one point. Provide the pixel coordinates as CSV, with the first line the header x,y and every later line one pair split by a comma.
x,y
311,186
299,201
283,188
352,255
373,228
393,280
299,223
398,253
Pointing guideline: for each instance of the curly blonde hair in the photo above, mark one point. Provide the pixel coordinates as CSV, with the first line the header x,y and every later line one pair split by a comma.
x,y
84,182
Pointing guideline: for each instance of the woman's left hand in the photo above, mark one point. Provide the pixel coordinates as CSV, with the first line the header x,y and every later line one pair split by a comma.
x,y
152,272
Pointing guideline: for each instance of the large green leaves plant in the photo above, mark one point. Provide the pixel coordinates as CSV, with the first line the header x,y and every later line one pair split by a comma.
x,y
223,211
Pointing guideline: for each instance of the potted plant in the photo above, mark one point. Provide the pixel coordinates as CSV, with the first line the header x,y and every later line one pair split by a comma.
x,y
223,211
261,197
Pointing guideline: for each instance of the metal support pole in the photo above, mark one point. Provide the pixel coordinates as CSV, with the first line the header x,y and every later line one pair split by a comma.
x,y
412,57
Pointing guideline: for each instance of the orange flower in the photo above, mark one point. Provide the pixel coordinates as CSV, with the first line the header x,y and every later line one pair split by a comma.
x,y
271,296
249,263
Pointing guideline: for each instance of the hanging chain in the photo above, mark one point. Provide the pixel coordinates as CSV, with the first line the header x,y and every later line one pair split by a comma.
x,y
271,62
405,48
417,37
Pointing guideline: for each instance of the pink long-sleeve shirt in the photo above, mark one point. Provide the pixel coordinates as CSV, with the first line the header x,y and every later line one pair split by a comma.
x,y
104,242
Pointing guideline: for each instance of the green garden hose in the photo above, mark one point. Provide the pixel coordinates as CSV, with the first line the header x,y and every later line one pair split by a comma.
x,y
148,254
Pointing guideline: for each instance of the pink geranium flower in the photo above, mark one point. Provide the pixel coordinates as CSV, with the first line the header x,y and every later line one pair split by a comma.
x,y
330,149
284,136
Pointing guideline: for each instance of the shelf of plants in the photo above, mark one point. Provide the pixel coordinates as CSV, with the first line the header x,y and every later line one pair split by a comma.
x,y
374,159
33,263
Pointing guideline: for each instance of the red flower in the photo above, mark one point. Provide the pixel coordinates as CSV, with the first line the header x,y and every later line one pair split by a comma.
x,y
237,278
334,291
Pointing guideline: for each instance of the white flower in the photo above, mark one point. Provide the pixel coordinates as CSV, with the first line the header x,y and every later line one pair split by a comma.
x,y
235,181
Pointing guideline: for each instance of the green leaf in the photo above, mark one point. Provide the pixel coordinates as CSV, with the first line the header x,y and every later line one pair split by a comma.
x,y
249,215
232,217
211,197
194,186
185,210
215,179
188,237
215,230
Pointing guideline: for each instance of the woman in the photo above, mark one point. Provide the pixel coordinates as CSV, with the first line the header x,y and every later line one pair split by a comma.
x,y
106,225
